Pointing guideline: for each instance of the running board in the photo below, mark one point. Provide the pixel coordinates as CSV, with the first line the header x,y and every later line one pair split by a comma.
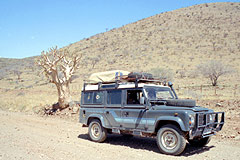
x,y
115,130
137,133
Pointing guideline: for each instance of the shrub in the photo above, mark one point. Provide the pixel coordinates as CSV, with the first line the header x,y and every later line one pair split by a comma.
x,y
162,74
213,70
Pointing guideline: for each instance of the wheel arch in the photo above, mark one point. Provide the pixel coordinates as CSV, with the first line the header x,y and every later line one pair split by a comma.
x,y
170,120
95,116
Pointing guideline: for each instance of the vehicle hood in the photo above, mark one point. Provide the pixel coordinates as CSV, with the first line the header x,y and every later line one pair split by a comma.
x,y
183,104
195,109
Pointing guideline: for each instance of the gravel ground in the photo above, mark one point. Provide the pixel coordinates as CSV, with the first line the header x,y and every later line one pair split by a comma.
x,y
24,136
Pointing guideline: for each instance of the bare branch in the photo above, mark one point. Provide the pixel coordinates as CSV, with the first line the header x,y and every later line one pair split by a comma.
x,y
213,70
59,68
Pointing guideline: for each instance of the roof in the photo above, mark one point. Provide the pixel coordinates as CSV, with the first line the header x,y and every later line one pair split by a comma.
x,y
91,87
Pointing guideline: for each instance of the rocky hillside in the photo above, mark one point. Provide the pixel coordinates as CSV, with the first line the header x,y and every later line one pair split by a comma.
x,y
177,40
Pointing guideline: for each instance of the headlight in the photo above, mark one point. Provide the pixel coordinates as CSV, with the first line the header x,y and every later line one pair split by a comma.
x,y
191,120
211,118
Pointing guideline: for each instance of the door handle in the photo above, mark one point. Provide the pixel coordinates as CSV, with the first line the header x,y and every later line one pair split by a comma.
x,y
126,114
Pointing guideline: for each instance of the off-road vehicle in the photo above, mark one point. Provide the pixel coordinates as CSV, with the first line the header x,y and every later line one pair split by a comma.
x,y
145,107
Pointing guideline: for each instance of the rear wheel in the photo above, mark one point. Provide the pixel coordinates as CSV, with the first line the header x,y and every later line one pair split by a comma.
x,y
171,140
200,142
96,132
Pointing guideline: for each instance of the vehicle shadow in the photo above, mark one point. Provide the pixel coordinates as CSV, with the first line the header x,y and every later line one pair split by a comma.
x,y
190,150
146,144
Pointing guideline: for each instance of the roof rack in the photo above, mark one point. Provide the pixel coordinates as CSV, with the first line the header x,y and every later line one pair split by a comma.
x,y
116,83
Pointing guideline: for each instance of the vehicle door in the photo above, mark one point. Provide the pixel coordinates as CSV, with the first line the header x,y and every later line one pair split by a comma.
x,y
134,114
113,107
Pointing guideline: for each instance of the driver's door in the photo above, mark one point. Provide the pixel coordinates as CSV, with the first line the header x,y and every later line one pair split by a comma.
x,y
134,114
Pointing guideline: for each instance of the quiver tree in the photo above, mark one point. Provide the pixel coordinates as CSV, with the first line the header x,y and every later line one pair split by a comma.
x,y
59,67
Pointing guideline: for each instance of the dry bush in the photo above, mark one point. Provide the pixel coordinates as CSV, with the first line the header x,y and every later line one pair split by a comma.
x,y
162,74
94,61
1,76
181,73
17,73
213,70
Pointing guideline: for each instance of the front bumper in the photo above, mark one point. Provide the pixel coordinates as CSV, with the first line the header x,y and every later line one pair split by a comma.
x,y
205,126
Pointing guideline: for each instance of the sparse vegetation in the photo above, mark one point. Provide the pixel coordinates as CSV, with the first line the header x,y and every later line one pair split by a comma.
x,y
182,73
162,74
18,74
94,61
185,36
213,70
176,40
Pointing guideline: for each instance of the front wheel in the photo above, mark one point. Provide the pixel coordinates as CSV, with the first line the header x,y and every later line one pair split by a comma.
x,y
200,142
171,140
96,132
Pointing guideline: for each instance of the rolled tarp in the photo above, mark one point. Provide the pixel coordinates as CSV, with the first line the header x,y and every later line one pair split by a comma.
x,y
108,76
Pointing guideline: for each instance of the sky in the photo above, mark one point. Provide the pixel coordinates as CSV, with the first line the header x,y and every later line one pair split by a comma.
x,y
27,27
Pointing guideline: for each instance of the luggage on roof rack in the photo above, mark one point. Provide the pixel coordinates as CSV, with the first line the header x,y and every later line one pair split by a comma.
x,y
139,75
108,76
117,76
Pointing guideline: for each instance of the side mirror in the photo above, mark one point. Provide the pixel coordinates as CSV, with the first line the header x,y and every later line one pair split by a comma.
x,y
170,84
142,100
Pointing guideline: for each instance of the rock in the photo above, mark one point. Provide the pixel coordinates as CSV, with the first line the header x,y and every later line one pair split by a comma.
x,y
218,105
75,109
72,104
232,136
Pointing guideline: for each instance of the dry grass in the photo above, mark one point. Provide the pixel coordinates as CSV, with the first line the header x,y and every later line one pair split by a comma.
x,y
178,40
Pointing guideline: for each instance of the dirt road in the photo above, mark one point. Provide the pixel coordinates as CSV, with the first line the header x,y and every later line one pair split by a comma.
x,y
25,136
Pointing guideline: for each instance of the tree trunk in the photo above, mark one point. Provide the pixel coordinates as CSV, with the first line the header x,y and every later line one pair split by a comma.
x,y
64,97
214,82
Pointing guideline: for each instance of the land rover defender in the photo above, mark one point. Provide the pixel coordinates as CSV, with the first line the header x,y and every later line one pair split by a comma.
x,y
149,109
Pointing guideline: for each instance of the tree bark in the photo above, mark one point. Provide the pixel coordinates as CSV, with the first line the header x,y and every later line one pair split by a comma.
x,y
64,96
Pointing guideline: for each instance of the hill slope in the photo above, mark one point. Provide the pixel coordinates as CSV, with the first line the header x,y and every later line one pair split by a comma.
x,y
178,40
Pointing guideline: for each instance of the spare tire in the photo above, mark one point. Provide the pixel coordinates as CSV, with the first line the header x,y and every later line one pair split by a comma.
x,y
181,102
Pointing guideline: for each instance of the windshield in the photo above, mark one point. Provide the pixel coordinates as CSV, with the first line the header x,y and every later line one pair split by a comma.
x,y
158,93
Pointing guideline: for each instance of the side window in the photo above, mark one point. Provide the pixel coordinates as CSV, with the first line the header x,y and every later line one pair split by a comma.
x,y
93,97
114,97
133,96
88,97
97,97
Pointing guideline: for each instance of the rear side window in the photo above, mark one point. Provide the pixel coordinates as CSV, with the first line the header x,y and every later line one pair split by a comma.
x,y
93,98
114,97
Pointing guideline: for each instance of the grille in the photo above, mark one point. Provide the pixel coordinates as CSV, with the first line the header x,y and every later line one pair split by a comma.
x,y
202,120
